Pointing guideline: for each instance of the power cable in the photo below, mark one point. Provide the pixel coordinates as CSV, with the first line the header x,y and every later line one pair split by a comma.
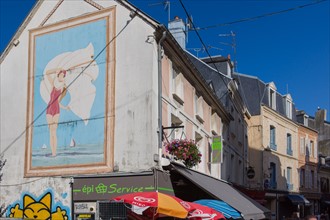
x,y
45,109
200,39
259,16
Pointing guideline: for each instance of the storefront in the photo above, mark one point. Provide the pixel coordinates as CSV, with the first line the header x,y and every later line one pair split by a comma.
x,y
92,194
186,181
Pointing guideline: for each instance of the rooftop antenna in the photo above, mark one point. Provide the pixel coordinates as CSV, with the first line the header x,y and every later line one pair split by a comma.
x,y
196,50
233,45
167,7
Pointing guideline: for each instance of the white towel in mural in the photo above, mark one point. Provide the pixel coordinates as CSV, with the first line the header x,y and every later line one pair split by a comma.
x,y
78,80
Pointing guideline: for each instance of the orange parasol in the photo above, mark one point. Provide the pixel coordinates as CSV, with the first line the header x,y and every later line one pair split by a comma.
x,y
164,204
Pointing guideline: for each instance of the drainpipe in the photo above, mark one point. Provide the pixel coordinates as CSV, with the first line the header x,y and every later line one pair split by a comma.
x,y
160,127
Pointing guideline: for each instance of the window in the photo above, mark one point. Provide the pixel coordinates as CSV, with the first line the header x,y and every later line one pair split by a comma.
x,y
289,144
209,164
272,138
177,132
272,99
177,85
306,120
302,145
308,149
312,179
272,176
302,178
288,108
199,108
312,150
324,183
288,178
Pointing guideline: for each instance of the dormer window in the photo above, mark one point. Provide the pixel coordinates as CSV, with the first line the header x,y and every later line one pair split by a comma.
x,y
272,95
272,99
306,120
288,106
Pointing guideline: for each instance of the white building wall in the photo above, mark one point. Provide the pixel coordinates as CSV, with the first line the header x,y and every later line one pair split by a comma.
x,y
135,137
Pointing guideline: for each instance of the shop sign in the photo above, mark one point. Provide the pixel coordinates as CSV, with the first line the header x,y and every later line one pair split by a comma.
x,y
105,188
84,207
85,216
250,173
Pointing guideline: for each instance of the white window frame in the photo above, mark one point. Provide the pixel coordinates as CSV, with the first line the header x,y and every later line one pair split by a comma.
x,y
306,120
288,108
302,146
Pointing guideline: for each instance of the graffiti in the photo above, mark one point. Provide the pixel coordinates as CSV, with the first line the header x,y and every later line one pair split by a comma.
x,y
41,208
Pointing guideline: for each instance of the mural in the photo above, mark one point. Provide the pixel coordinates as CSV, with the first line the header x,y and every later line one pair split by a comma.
x,y
68,89
39,208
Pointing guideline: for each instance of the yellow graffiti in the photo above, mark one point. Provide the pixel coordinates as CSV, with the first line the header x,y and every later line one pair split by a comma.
x,y
40,210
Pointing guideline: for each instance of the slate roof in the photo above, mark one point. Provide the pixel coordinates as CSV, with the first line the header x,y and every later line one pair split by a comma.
x,y
256,93
219,80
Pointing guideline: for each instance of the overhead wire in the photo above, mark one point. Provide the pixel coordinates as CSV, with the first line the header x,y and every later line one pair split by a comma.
x,y
73,81
202,42
259,16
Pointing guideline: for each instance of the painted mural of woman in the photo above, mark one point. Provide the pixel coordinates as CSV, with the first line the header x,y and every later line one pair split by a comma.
x,y
57,93
66,73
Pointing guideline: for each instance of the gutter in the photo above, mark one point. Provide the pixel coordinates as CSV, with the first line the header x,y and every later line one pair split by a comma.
x,y
160,115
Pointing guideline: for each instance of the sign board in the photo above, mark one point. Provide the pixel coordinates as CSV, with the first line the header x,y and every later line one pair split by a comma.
x,y
105,188
250,173
216,149
84,207
84,216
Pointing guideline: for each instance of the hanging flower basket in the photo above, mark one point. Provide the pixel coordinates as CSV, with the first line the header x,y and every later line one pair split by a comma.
x,y
184,150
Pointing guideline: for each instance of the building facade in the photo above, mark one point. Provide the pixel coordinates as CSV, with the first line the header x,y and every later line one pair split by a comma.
x,y
273,147
84,123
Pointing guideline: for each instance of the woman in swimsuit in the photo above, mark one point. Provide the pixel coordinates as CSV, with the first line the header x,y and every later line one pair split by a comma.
x,y
57,93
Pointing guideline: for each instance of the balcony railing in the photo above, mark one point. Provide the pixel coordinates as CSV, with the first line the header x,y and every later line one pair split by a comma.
x,y
289,151
273,146
289,186
273,185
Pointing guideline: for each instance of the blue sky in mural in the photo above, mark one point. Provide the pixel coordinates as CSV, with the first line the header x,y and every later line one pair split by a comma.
x,y
289,48
65,41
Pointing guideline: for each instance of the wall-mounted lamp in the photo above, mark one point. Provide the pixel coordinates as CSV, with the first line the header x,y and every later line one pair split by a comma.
x,y
16,42
132,14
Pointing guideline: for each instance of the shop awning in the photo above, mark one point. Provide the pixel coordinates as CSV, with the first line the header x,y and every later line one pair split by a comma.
x,y
221,190
221,206
298,200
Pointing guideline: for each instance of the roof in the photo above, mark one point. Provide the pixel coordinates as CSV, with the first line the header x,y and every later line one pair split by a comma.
x,y
220,81
256,94
171,45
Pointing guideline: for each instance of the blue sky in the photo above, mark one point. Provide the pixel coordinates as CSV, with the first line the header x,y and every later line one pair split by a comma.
x,y
291,49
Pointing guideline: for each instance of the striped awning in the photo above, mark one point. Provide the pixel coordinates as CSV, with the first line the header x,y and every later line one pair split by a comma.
x,y
224,208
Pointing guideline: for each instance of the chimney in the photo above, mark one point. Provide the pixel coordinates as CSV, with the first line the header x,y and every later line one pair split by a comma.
x,y
321,114
178,30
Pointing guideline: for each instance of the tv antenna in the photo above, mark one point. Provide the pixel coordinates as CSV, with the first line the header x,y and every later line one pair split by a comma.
x,y
167,7
232,44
